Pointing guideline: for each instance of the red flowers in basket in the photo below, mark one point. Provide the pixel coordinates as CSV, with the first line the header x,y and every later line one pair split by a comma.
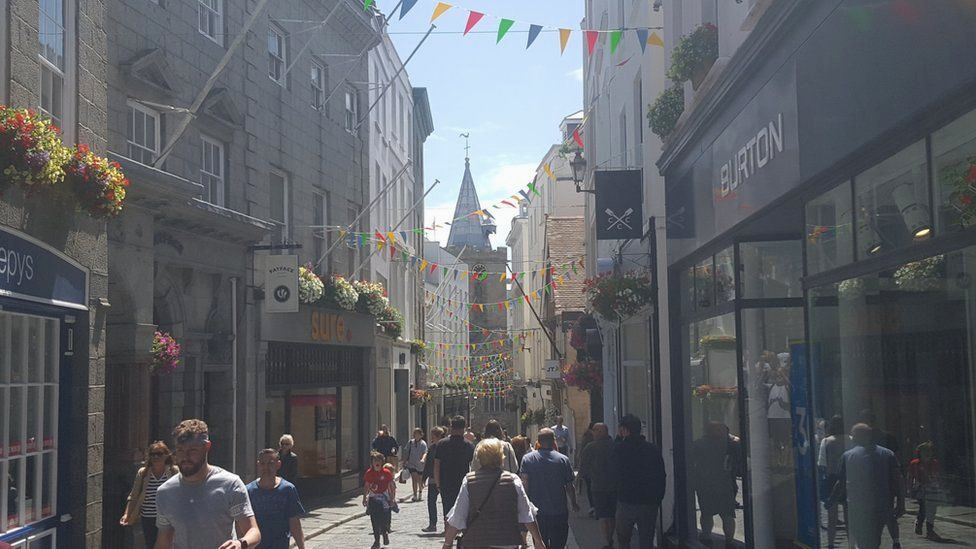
x,y
98,184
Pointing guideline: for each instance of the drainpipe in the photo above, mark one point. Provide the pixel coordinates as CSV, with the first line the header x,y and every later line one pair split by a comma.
x,y
233,371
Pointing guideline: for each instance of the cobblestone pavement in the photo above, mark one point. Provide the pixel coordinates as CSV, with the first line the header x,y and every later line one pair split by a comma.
x,y
356,531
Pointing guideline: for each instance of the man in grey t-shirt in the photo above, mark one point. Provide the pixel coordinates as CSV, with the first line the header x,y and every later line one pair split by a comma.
x,y
202,506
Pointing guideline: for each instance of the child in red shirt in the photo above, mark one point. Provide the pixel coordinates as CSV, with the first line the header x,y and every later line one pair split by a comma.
x,y
378,497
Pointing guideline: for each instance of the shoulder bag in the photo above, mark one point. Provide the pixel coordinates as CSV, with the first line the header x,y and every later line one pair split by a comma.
x,y
460,537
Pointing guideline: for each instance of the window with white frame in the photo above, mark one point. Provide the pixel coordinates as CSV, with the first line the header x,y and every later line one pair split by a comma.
x,y
317,79
277,54
142,133
212,170
50,36
320,219
279,208
210,14
29,366
394,129
352,110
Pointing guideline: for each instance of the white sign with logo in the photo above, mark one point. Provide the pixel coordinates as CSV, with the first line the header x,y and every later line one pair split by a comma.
x,y
553,371
281,284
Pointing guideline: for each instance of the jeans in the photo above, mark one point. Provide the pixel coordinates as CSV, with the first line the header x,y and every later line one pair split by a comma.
x,y
554,530
432,503
149,531
449,495
379,517
642,516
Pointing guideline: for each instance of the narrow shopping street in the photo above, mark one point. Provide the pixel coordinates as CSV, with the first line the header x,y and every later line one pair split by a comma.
x,y
343,524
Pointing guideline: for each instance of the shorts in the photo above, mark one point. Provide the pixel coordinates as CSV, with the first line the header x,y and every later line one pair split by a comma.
x,y
415,471
605,504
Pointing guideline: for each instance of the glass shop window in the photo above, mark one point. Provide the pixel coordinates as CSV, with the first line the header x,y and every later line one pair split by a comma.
x,y
954,159
892,201
28,418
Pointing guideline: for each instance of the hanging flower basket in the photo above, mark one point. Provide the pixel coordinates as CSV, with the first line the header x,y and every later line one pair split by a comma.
x,y
310,286
922,276
418,348
718,343
852,288
709,391
961,179
663,114
694,54
339,293
31,153
372,297
166,353
97,183
585,375
391,320
616,297
419,397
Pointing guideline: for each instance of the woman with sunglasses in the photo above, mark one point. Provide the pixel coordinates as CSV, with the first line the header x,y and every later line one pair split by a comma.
x,y
141,504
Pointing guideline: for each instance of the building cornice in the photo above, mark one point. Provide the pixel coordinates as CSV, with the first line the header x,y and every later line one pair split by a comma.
x,y
768,31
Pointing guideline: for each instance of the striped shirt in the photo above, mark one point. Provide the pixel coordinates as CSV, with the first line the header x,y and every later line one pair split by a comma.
x,y
149,502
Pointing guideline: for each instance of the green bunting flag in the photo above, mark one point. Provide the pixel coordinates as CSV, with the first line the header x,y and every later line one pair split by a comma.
x,y
367,4
503,27
615,40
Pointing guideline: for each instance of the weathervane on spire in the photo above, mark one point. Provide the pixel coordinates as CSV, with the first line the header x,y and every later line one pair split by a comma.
x,y
467,147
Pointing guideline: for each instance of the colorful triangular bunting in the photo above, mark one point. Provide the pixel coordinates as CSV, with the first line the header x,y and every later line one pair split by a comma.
x,y
534,31
503,28
439,10
473,18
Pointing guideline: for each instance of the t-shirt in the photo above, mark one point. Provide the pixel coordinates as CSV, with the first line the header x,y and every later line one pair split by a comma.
x,y
872,479
377,482
386,445
153,483
202,514
549,472
454,454
272,509
562,437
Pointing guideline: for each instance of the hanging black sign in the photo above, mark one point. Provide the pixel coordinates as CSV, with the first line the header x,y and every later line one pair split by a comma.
x,y
619,204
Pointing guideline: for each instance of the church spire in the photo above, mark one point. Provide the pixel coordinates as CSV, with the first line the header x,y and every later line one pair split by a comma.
x,y
466,229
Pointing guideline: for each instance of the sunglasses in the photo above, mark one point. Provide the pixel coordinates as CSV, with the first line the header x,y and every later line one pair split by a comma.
x,y
157,454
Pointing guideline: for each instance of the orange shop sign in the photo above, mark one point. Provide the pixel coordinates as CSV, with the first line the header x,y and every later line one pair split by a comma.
x,y
330,328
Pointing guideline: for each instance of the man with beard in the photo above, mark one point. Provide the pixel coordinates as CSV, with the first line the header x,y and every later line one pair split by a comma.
x,y
203,504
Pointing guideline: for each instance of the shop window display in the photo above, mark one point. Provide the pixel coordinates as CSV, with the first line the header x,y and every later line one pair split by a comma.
x,y
892,202
715,463
829,231
771,269
954,159
894,350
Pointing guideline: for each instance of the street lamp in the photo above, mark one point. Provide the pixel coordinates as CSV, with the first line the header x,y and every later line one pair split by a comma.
x,y
578,164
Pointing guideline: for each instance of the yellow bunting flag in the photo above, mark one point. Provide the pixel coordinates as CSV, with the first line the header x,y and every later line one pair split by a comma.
x,y
423,264
439,10
563,39
655,40
548,169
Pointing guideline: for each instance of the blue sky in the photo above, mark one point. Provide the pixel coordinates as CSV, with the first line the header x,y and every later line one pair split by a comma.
x,y
510,99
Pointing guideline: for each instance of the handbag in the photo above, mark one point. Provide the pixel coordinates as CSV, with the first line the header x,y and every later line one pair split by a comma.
x,y
404,475
460,537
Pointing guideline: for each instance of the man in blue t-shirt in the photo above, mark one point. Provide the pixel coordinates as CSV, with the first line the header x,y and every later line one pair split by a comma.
x,y
276,504
548,479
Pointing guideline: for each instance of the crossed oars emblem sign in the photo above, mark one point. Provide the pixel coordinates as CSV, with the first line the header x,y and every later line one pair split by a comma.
x,y
619,222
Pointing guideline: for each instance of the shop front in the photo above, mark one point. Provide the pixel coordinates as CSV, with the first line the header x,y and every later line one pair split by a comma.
x,y
822,254
43,373
316,389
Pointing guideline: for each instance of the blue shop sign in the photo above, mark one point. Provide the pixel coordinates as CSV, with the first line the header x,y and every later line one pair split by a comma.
x,y
32,270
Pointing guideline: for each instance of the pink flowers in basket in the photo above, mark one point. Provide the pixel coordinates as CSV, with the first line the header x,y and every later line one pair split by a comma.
x,y
166,353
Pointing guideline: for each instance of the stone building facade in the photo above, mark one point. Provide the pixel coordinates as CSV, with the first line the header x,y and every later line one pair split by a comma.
x,y
259,162
52,320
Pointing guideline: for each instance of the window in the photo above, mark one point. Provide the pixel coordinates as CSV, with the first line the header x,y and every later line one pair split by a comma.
x,y
277,55
953,157
142,133
351,214
278,207
352,110
320,216
212,170
29,361
829,238
394,130
210,14
51,41
317,79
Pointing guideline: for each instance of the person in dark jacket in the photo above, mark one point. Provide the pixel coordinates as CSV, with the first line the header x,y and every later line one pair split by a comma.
x,y
637,468
385,444
289,461
436,434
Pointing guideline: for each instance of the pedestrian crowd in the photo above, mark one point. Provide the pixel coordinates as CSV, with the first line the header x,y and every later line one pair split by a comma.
x,y
493,494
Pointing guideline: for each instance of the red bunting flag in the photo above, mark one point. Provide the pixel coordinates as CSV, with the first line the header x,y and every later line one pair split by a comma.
x,y
577,138
473,19
591,36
